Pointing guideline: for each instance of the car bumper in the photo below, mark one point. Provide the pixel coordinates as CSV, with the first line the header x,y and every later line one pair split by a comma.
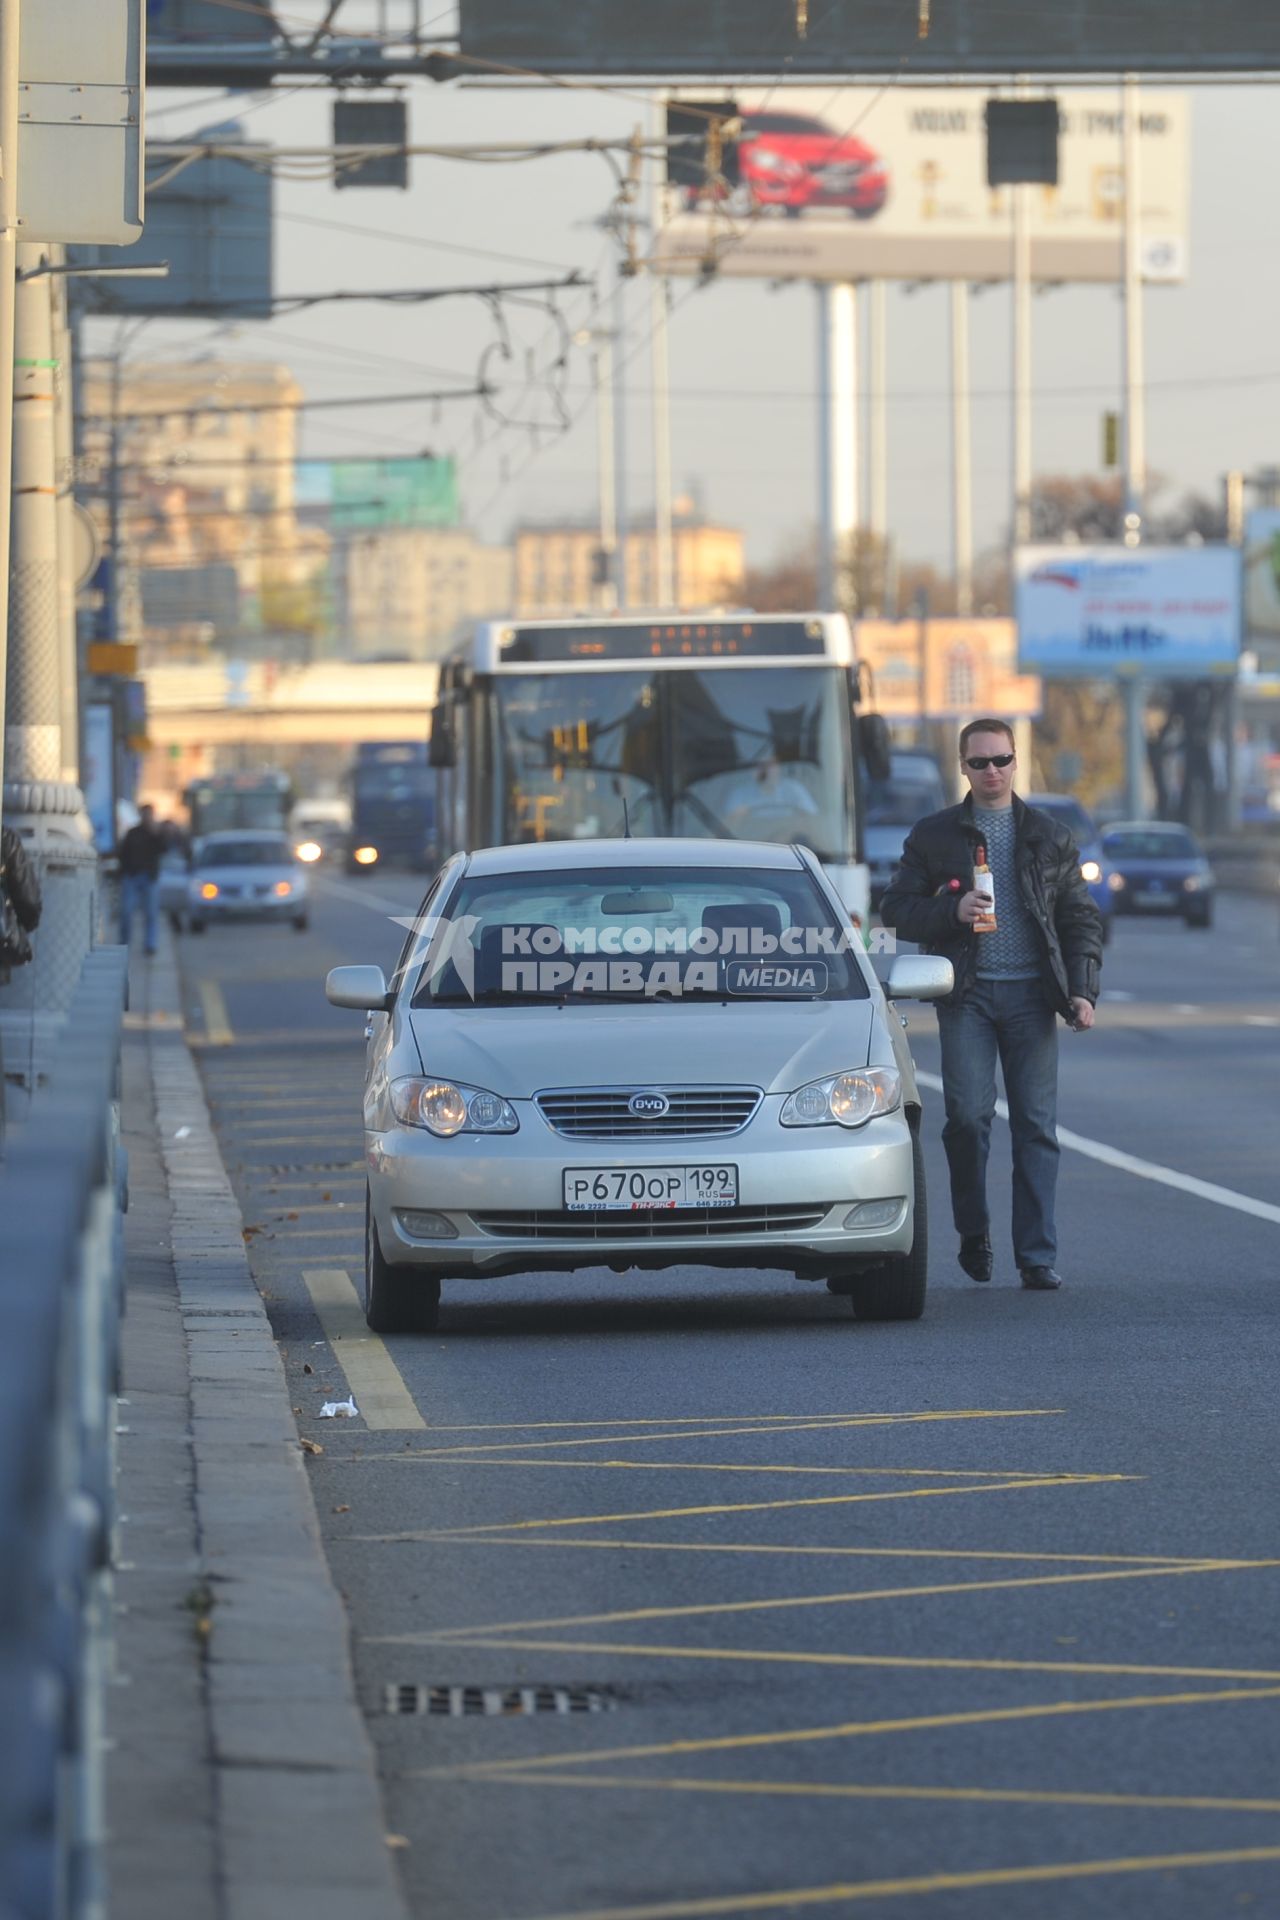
x,y
286,909
502,1198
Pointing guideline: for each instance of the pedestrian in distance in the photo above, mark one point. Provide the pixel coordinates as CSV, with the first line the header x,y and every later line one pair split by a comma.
x,y
1025,940
140,854
20,902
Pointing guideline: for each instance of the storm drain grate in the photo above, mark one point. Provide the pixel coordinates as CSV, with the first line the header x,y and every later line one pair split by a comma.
x,y
455,1703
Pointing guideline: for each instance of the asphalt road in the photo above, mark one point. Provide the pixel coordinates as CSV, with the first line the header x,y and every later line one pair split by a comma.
x,y
970,1617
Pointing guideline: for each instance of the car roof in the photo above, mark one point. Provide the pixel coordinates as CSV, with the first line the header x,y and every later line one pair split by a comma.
x,y
557,855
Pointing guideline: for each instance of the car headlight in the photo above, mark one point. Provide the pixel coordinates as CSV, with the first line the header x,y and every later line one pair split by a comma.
x,y
1116,882
207,890
365,856
1090,871
284,888
1192,883
845,1100
444,1108
308,851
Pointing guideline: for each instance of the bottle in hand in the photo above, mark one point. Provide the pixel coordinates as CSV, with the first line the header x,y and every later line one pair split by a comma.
x,y
985,885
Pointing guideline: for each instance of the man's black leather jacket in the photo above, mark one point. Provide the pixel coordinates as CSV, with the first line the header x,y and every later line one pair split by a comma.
x,y
920,901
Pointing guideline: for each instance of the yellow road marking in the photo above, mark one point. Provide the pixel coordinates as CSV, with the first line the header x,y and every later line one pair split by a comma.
x,y
709,1419
775,1657
858,1597
841,1790
423,1536
924,1883
373,1376
461,1458
827,1424
859,1730
767,1506
217,1028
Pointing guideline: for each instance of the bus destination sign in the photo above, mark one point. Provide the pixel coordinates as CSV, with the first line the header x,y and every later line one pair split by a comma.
x,y
662,640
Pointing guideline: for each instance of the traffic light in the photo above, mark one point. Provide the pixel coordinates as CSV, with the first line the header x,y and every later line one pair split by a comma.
x,y
1022,143
1111,439
702,142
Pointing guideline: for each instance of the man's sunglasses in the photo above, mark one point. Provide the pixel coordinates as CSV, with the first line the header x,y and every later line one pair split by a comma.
x,y
981,761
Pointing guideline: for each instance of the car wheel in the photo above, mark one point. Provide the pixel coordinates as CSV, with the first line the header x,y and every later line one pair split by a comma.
x,y
300,923
195,926
896,1290
1106,929
396,1299
1201,917
175,921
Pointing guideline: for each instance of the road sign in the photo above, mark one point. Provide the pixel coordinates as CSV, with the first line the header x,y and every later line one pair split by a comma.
x,y
80,103
891,183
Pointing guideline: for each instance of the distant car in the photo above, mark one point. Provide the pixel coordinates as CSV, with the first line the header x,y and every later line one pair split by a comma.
x,y
1158,867
1094,869
797,163
246,876
731,1090
890,808
320,839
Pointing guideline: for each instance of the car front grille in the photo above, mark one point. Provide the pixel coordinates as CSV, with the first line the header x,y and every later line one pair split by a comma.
x,y
601,1113
675,1223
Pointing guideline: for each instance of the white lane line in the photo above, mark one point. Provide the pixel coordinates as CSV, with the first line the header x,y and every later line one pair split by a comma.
x,y
1261,1020
373,1376
1144,1169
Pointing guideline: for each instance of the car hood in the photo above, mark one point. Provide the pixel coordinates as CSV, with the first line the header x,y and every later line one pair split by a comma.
x,y
519,1051
249,877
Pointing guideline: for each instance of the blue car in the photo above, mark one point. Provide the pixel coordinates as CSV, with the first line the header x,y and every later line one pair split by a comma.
x,y
1093,861
1158,867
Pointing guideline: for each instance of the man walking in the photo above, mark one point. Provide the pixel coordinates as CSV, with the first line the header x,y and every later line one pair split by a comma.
x,y
141,851
1042,958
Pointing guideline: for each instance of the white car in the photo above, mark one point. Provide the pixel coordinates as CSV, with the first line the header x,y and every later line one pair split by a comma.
x,y
639,1054
246,875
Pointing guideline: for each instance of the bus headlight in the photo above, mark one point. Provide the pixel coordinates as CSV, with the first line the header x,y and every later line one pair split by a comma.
x,y
365,856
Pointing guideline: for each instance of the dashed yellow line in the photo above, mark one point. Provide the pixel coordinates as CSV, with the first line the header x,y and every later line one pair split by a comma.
x,y
384,1401
844,1891
859,1730
858,1597
217,1027
843,1790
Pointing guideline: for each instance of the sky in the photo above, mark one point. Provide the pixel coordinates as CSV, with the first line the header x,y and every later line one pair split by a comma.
x,y
744,404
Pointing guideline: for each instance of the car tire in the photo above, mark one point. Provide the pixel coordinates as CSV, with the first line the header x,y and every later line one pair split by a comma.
x,y
896,1291
301,922
396,1299
195,926
175,921
1201,918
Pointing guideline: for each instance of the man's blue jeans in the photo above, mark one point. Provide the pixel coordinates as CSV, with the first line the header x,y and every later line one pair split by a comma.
x,y
1008,1020
138,890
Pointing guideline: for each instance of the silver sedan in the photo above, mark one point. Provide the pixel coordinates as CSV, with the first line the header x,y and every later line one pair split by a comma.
x,y
639,1054
246,875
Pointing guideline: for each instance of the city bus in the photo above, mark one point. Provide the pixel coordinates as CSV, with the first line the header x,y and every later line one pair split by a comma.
x,y
224,802
726,726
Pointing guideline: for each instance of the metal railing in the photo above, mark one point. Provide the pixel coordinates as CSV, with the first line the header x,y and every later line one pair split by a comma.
x,y
62,1190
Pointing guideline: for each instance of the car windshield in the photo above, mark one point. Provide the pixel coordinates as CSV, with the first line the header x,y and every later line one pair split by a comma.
x,y
246,853
1150,846
638,934
901,800
1072,816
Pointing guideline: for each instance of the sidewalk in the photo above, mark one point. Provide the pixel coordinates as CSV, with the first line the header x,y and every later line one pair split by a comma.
x,y
240,1781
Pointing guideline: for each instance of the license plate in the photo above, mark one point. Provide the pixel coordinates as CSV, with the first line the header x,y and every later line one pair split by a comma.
x,y
635,1189
1151,897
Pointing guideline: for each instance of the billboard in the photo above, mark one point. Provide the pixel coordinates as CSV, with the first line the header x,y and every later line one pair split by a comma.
x,y
1156,613
891,183
963,667
1262,571
367,495
893,37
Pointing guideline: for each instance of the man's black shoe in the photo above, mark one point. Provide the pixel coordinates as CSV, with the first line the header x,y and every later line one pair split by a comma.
x,y
975,1255
1040,1279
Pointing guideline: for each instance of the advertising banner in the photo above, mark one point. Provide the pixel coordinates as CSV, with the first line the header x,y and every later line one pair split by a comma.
x,y
1158,613
97,774
1262,571
891,183
962,668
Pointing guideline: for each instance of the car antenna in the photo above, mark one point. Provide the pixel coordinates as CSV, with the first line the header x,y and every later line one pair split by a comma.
x,y
626,819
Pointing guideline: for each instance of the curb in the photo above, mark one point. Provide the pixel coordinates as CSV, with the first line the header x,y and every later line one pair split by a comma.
x,y
300,1824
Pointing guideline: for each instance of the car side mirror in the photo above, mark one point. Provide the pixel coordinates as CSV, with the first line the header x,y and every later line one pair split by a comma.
x,y
362,989
920,976
442,748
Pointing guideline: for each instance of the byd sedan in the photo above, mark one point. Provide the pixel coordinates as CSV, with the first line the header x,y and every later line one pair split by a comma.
x,y
639,1054
250,875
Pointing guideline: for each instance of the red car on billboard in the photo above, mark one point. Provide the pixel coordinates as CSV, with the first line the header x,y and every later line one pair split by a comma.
x,y
798,164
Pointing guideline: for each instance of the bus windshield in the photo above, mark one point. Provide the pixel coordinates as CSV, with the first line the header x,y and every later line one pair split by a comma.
x,y
734,753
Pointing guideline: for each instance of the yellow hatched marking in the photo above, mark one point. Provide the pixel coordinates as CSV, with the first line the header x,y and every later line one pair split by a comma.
x,y
861,1730
849,1890
841,1790
763,1419
858,1597
790,1657
462,1458
384,1401
827,1424
424,1535
217,1027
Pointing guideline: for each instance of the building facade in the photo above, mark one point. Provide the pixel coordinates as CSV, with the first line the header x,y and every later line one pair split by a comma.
x,y
555,567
